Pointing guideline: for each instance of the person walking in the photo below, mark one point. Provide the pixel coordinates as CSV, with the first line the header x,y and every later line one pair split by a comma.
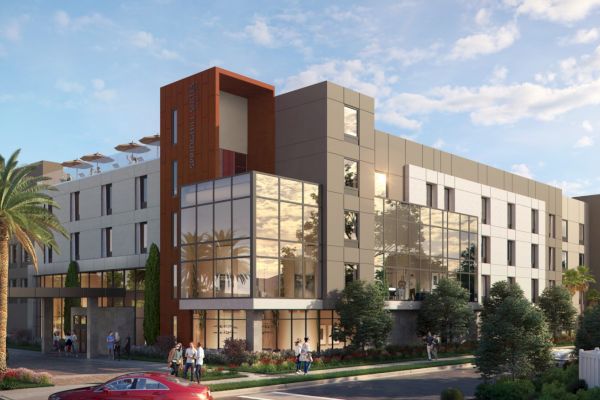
x,y
68,343
56,340
174,359
110,345
435,347
75,344
117,346
190,360
128,347
305,356
297,352
429,340
199,362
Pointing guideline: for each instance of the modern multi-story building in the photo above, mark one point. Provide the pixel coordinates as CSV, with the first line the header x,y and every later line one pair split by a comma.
x,y
265,206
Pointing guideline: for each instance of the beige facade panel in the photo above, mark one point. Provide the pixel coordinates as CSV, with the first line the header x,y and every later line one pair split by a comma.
x,y
414,153
397,153
335,119
302,96
367,103
335,92
396,187
495,177
446,163
351,98
428,158
294,126
463,168
366,121
381,151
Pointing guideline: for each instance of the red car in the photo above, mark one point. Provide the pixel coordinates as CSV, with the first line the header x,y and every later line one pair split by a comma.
x,y
139,386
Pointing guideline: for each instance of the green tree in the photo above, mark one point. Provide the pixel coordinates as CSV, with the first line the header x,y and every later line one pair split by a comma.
x,y
364,321
152,296
578,280
446,312
588,330
558,309
24,217
593,297
514,336
71,281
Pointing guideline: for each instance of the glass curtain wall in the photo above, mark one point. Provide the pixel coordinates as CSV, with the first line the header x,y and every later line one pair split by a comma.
x,y
415,246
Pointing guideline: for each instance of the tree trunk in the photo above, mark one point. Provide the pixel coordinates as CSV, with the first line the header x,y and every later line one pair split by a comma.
x,y
3,297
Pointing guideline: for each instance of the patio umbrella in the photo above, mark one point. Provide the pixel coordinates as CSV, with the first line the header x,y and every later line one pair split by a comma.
x,y
152,140
132,148
98,158
77,164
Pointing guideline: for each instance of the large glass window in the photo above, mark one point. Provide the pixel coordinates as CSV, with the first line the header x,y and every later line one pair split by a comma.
x,y
565,230
351,225
380,184
351,122
350,174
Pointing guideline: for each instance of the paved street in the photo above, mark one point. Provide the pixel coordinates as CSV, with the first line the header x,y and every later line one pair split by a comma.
x,y
422,386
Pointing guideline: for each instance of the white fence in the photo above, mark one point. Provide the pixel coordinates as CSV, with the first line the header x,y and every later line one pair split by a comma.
x,y
589,367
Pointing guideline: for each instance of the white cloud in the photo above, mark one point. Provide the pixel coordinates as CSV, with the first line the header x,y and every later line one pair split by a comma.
x,y
483,17
587,126
485,43
545,78
573,188
69,87
439,143
584,141
393,54
260,32
564,11
101,92
64,21
583,36
499,74
142,39
522,170
586,69
98,84
12,31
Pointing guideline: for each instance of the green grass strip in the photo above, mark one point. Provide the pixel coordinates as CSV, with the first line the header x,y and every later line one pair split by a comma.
x,y
330,375
12,385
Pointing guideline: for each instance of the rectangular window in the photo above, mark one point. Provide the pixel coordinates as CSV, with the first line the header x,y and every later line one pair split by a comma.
x,y
13,253
534,290
534,256
510,252
564,262
485,210
581,259
551,258
175,281
581,234
351,122
565,230
174,127
551,283
351,225
106,199
50,254
510,216
534,221
175,326
175,229
511,280
552,225
74,206
351,174
485,249
142,191
26,258
448,199
380,184
143,237
430,195
174,178
75,246
107,243
485,283
351,273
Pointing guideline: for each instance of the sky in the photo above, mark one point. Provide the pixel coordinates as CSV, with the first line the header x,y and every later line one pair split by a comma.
x,y
511,83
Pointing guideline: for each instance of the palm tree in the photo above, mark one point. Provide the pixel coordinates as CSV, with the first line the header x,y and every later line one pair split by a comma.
x,y
25,218
578,280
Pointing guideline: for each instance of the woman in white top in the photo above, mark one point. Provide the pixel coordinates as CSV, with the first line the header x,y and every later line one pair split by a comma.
x,y
199,362
297,352
305,356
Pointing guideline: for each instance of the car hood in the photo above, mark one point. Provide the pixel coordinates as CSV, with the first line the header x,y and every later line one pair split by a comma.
x,y
75,391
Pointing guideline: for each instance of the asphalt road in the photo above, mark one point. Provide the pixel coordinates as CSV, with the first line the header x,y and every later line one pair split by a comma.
x,y
422,387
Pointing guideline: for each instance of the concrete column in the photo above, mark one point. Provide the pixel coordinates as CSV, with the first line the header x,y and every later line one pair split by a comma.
x,y
47,324
254,330
92,335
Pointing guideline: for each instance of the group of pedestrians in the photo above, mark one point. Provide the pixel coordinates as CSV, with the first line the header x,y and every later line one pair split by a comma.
x,y
432,342
113,344
69,345
303,356
192,360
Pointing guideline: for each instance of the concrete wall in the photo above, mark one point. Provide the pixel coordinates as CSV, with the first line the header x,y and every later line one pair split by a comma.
x,y
233,118
101,321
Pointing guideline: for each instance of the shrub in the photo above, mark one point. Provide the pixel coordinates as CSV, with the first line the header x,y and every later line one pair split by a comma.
x,y
555,391
592,394
151,324
12,376
146,351
164,344
235,351
214,357
505,390
452,394
21,337
588,331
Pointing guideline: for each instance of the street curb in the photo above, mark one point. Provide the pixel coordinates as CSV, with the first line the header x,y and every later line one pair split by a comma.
x,y
357,378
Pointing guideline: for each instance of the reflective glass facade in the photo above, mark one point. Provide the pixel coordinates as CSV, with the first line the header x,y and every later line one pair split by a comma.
x,y
415,246
250,235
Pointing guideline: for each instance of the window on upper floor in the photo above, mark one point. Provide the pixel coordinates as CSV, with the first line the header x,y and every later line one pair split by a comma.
x,y
26,257
485,285
13,253
485,249
448,199
50,254
106,199
351,122
381,184
74,206
174,127
552,225
75,246
534,221
430,194
534,256
581,259
485,210
581,234
142,192
534,290
564,260
175,229
142,237
551,259
107,242
510,216
551,283
351,225
511,280
174,293
351,272
510,252
351,174
174,183
565,230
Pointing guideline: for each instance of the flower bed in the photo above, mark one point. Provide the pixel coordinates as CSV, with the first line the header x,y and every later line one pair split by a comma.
x,y
18,378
